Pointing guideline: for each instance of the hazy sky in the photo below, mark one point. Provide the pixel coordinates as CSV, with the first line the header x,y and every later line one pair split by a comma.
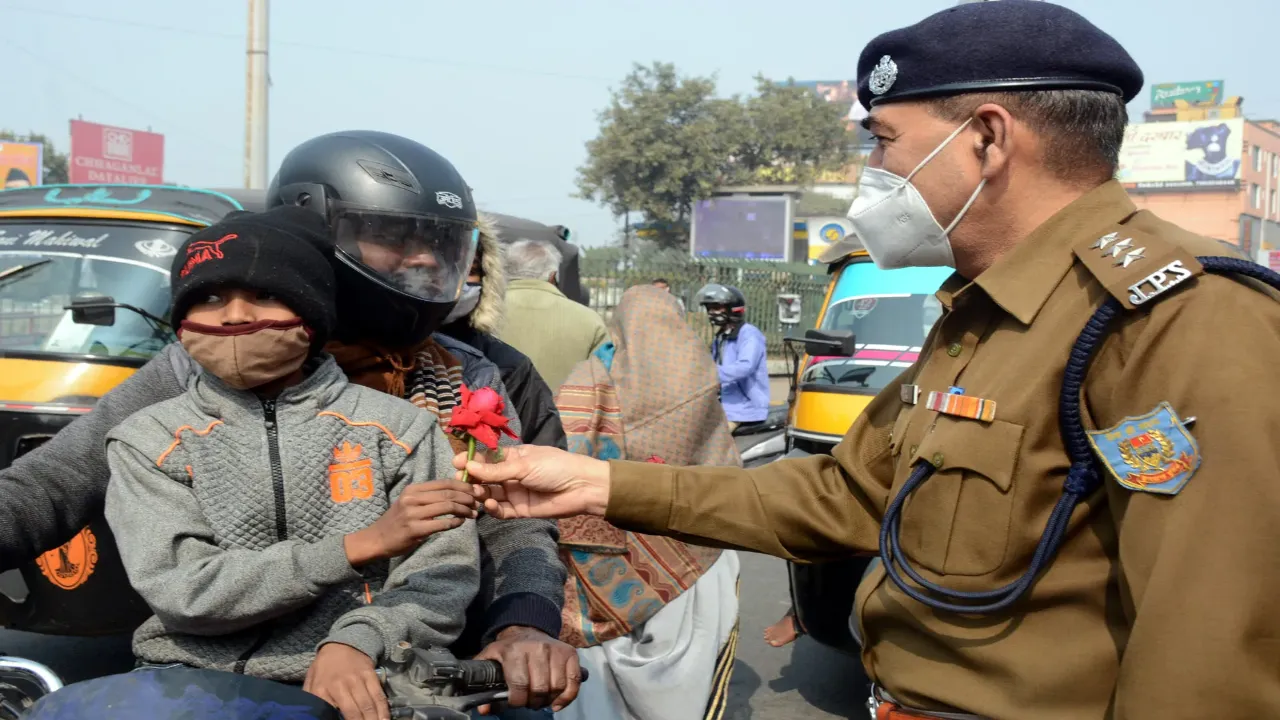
x,y
508,90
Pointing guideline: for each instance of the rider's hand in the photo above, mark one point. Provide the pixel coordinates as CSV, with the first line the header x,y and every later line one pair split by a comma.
x,y
345,678
422,510
534,481
539,670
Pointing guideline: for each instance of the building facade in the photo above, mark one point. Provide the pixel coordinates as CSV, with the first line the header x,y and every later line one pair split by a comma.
x,y
1245,213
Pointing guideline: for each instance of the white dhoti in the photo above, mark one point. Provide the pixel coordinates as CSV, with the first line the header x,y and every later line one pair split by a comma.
x,y
676,666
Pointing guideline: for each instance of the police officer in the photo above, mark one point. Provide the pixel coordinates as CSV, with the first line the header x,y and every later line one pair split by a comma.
x,y
1074,490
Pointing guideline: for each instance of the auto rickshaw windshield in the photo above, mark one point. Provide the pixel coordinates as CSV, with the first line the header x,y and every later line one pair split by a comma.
x,y
37,283
889,313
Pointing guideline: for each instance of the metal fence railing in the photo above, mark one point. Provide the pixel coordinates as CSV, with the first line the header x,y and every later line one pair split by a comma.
x,y
607,278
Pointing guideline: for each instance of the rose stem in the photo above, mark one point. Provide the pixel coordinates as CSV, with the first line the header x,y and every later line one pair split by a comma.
x,y
471,453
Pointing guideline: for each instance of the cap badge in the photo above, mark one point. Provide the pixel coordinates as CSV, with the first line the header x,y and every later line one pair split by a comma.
x,y
883,76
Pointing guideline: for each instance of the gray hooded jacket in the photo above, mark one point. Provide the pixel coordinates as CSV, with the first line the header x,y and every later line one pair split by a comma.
x,y
230,511
49,494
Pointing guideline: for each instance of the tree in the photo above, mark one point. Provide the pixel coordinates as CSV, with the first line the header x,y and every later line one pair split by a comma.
x,y
667,141
660,149
55,163
789,135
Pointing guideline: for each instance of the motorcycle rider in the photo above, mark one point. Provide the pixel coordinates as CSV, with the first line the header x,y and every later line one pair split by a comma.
x,y
382,194
739,352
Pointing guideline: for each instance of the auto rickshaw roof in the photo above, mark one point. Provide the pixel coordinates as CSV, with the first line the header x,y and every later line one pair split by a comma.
x,y
191,206
842,250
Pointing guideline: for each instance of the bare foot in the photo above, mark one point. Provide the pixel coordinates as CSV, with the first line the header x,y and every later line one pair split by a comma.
x,y
784,632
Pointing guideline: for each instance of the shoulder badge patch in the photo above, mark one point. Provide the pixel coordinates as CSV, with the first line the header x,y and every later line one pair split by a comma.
x,y
1136,267
1151,453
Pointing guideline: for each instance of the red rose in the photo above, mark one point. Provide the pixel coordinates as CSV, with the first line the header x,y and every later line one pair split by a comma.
x,y
479,415
483,400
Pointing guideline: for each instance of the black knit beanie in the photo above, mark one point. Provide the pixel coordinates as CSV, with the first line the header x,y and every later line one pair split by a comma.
x,y
284,251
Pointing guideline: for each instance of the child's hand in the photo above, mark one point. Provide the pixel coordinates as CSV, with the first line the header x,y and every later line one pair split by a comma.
x,y
344,677
422,510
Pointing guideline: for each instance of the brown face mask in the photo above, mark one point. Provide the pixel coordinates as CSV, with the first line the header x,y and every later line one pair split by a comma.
x,y
247,356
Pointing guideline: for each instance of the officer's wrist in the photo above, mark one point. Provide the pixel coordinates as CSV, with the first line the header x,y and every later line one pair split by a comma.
x,y
596,487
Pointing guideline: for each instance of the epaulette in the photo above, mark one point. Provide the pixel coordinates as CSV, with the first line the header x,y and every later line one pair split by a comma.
x,y
1136,266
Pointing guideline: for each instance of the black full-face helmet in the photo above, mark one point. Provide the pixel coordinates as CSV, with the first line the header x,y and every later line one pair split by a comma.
x,y
404,228
726,306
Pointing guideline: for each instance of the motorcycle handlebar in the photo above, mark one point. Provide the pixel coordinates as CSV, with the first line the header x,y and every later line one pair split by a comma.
x,y
480,673
487,673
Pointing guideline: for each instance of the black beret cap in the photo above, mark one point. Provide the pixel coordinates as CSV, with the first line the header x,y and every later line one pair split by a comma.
x,y
284,251
995,46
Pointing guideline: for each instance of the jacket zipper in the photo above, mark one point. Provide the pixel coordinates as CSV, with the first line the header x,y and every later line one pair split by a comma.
x,y
282,520
277,472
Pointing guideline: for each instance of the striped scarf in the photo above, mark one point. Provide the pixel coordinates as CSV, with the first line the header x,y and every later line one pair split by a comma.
x,y
427,376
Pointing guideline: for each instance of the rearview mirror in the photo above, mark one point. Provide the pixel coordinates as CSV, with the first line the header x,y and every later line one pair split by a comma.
x,y
92,309
837,343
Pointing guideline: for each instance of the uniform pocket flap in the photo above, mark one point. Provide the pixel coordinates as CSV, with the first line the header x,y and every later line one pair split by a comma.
x,y
988,449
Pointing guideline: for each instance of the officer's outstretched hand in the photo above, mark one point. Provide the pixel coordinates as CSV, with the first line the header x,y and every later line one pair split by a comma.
x,y
532,481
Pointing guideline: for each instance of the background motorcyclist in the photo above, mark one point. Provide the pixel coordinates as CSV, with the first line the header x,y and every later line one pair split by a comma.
x,y
387,199
739,351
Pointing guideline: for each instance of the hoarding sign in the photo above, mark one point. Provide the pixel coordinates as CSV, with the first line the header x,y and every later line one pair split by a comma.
x,y
21,164
757,228
1181,156
112,155
1203,94
1273,260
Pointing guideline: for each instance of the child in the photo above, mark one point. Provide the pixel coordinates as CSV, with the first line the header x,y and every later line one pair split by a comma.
x,y
268,513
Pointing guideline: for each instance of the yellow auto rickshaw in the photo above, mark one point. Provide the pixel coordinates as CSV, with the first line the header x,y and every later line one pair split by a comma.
x,y
84,301
871,328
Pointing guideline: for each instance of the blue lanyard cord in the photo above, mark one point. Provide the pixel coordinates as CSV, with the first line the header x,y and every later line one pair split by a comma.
x,y
1082,480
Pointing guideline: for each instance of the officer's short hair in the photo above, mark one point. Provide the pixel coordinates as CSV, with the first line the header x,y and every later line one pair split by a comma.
x,y
1081,130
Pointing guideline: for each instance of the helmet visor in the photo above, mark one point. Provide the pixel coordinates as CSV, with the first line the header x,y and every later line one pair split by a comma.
x,y
425,257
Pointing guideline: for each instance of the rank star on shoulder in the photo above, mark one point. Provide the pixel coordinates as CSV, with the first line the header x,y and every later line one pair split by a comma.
x,y
1121,247
1130,257
1104,241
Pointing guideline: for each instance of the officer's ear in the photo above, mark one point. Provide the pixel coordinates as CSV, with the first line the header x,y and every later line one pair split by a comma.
x,y
995,139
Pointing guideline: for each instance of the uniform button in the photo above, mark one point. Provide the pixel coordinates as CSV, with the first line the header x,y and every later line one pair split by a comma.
x,y
937,460
914,448
955,349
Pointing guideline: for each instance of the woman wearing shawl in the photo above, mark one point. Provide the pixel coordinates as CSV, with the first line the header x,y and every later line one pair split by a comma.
x,y
656,620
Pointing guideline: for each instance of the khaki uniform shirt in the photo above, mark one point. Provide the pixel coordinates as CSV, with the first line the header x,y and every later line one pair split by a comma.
x,y
1158,606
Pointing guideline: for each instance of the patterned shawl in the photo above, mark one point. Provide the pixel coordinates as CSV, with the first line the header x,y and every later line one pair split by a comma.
x,y
652,394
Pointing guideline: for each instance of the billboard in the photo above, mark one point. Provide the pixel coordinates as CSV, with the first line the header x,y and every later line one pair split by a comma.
x,y
21,164
1181,156
1206,93
756,228
112,155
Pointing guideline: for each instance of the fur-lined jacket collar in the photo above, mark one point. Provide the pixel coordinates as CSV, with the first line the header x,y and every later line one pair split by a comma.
x,y
491,310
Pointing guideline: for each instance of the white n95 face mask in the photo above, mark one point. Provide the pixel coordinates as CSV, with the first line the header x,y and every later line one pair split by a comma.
x,y
895,224
467,302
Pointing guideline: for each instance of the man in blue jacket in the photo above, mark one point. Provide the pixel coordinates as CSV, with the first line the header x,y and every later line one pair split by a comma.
x,y
739,352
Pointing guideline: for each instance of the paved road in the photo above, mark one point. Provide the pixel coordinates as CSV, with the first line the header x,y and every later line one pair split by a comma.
x,y
804,680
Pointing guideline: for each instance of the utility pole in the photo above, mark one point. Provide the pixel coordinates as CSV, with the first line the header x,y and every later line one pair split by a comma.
x,y
255,109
